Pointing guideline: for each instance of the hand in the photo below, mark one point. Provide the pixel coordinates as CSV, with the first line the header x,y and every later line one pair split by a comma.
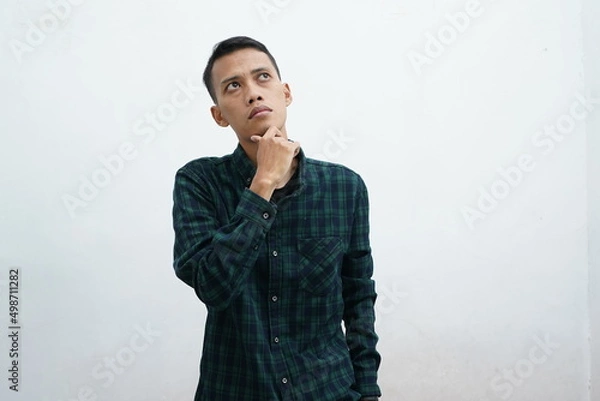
x,y
274,162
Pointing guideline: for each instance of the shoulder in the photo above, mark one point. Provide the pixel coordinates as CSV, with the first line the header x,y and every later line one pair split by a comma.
x,y
335,169
330,167
203,166
329,171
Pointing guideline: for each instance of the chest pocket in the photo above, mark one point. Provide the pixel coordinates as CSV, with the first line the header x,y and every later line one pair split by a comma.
x,y
320,264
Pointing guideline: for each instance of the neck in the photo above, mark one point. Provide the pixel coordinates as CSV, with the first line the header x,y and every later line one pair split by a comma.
x,y
250,148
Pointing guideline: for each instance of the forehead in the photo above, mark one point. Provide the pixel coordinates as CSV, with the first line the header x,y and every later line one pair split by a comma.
x,y
240,62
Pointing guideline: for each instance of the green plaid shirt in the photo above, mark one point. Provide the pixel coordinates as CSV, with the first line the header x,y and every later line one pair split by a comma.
x,y
278,279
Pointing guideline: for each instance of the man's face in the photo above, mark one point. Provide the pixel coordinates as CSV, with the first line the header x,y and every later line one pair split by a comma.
x,y
250,96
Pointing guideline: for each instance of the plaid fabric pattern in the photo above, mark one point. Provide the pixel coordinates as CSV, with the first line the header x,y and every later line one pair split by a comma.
x,y
278,280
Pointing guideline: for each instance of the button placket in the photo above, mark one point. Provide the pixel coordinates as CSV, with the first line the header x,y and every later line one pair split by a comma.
x,y
275,312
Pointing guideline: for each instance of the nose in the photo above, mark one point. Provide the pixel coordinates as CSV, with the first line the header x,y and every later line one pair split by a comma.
x,y
253,94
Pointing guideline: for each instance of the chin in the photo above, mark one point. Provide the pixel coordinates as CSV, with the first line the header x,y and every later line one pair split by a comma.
x,y
262,127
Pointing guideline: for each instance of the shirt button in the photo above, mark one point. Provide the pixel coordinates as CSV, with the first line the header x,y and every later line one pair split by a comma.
x,y
284,380
255,247
274,253
276,340
265,215
274,298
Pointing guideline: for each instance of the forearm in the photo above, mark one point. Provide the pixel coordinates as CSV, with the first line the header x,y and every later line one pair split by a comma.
x,y
212,256
359,319
359,300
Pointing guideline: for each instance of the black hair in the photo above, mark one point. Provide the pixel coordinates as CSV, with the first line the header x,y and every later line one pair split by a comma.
x,y
229,46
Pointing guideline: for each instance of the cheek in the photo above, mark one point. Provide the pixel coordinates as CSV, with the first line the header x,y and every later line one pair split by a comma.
x,y
228,111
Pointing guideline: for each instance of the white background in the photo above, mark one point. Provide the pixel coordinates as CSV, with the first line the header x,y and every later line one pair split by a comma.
x,y
464,304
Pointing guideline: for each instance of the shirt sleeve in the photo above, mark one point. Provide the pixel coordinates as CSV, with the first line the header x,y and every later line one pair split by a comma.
x,y
359,300
215,259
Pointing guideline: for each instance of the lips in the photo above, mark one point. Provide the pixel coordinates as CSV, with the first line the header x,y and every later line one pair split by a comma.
x,y
257,110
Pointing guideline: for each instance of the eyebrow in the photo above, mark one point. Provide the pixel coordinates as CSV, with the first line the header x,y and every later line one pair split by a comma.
x,y
254,71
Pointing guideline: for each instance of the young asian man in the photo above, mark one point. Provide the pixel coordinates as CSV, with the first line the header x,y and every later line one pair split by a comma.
x,y
276,245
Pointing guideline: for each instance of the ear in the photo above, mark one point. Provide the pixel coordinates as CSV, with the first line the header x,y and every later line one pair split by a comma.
x,y
215,111
287,92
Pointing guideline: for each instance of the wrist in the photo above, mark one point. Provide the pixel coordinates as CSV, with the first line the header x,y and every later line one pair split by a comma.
x,y
263,187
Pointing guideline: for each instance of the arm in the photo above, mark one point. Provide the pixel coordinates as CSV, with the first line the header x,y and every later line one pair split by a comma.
x,y
359,299
215,260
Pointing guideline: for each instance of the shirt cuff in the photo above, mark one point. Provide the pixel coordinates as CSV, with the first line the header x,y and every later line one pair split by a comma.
x,y
256,209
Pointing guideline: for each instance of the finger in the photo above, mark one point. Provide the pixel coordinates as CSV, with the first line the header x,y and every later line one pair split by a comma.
x,y
276,130
271,132
255,138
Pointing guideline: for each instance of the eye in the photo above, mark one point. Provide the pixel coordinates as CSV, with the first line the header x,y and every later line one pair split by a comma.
x,y
233,85
264,76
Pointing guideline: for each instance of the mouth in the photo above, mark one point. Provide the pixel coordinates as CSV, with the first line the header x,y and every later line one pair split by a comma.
x,y
258,111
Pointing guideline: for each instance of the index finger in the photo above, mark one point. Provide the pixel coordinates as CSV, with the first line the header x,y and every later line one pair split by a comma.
x,y
271,132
